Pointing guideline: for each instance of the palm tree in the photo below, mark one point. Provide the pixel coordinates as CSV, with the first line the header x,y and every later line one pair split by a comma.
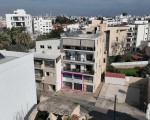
x,y
5,39
23,38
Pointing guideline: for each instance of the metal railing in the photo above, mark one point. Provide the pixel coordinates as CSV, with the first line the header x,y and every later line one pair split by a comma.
x,y
76,59
79,48
37,65
38,76
79,71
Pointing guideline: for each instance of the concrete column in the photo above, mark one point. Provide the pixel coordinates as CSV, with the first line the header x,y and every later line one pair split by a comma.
x,y
73,86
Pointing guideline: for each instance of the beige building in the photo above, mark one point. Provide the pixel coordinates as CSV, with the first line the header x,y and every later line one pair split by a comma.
x,y
115,37
47,71
84,61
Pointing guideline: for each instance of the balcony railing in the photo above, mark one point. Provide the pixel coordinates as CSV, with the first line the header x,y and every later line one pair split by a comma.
x,y
37,65
38,75
76,59
79,71
79,48
130,30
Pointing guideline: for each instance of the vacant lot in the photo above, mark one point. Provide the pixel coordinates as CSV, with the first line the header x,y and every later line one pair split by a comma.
x,y
129,72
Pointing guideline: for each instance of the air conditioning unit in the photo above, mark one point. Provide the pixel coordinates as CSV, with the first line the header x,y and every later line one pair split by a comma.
x,y
44,51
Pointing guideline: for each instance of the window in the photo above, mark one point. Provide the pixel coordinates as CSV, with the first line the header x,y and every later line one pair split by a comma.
x,y
49,74
134,43
104,60
41,46
97,54
96,65
49,47
99,62
78,77
97,42
135,28
116,31
67,75
39,85
58,47
100,51
134,38
135,33
116,38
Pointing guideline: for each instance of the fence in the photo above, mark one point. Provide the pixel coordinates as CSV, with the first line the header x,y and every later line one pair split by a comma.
x,y
130,64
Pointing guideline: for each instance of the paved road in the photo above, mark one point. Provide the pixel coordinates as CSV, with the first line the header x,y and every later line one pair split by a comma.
x,y
98,112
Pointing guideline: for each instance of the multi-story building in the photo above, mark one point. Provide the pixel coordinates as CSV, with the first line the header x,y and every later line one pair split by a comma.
x,y
17,84
47,63
19,18
47,71
116,39
138,32
84,61
41,25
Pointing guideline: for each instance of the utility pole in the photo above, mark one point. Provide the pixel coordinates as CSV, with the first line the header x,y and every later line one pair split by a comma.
x,y
115,108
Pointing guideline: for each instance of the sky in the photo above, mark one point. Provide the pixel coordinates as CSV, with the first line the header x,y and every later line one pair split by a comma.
x,y
76,7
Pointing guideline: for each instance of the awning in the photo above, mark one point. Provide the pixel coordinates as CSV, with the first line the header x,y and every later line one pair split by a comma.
x,y
73,42
37,59
88,43
48,60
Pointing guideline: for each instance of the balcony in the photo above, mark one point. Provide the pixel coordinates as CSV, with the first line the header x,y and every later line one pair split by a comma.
x,y
70,58
79,48
39,76
130,30
90,72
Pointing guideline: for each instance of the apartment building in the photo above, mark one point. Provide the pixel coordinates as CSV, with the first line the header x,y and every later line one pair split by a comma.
x,y
42,25
116,39
84,61
138,32
17,84
47,71
18,19
47,63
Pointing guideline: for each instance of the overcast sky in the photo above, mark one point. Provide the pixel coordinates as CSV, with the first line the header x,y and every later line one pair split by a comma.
x,y
77,7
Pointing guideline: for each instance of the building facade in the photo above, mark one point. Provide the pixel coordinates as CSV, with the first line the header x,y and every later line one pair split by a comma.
x,y
17,88
83,62
47,71
42,25
18,19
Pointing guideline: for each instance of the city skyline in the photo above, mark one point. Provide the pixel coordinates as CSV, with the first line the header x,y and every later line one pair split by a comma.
x,y
76,8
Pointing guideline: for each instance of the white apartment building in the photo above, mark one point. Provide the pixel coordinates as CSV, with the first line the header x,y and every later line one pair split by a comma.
x,y
41,25
17,84
18,19
138,32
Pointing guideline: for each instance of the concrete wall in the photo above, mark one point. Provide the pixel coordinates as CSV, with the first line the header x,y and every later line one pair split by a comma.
x,y
17,86
135,81
130,64
53,43
58,75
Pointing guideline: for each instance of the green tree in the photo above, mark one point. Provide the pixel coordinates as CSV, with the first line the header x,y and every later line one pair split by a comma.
x,y
84,19
17,47
4,39
23,38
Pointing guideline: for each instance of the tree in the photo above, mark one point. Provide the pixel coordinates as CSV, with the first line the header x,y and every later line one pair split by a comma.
x,y
5,39
84,19
17,47
23,38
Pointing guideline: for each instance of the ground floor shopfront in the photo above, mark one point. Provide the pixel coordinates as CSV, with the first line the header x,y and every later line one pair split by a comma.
x,y
77,82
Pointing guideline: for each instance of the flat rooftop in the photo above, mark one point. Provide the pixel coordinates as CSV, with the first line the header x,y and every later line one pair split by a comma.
x,y
47,55
7,59
49,39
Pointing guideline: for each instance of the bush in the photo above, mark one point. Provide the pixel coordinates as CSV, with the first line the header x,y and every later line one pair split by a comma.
x,y
111,68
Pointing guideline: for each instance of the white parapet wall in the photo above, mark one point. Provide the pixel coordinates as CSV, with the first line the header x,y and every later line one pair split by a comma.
x,y
130,64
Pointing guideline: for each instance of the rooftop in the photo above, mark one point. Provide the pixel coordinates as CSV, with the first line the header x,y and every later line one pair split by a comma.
x,y
79,34
116,75
49,39
57,106
47,55
7,59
